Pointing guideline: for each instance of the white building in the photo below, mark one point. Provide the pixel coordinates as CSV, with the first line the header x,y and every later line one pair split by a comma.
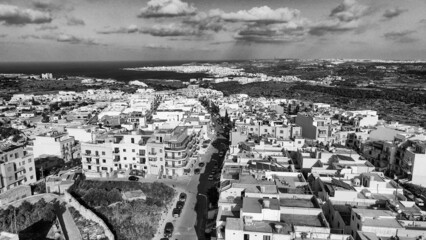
x,y
54,144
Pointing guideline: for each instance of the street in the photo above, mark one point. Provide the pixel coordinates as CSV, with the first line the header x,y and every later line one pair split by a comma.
x,y
191,223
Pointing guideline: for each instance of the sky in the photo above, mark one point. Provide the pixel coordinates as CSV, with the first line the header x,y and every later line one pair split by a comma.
x,y
162,30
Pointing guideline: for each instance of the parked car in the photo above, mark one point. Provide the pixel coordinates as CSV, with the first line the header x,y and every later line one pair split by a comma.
x,y
179,205
201,164
210,178
168,230
197,171
419,202
409,195
176,212
182,197
133,178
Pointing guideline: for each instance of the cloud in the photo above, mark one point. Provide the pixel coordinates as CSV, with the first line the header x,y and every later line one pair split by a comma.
x,y
157,46
171,30
343,18
401,36
73,21
63,38
111,30
46,28
273,33
393,12
332,26
66,38
3,35
349,10
166,8
13,15
43,4
262,14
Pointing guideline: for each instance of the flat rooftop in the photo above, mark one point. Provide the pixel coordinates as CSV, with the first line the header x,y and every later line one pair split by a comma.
x,y
302,220
297,203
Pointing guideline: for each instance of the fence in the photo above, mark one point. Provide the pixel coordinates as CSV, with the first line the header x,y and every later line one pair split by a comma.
x,y
88,214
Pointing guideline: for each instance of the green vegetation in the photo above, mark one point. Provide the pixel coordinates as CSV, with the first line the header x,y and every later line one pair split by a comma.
x,y
129,220
415,189
88,229
6,132
26,215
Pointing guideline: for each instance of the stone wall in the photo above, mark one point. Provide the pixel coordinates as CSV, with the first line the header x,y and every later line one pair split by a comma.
x,y
88,214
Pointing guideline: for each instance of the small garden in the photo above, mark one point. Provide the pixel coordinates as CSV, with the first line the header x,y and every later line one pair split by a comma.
x,y
88,229
128,220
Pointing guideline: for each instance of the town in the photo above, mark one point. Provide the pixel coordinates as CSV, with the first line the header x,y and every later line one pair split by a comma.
x,y
192,163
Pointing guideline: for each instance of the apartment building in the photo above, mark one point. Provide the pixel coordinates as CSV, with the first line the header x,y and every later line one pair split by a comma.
x,y
410,161
54,143
314,127
17,168
163,152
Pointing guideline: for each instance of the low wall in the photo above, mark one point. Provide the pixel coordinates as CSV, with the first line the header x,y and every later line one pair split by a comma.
x,y
88,214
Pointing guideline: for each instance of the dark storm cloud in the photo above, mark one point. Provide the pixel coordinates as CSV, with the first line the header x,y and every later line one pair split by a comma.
x,y
73,21
46,28
393,12
401,36
13,15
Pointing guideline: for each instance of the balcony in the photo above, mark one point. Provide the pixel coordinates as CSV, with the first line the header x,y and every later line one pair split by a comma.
x,y
117,159
115,152
176,158
20,178
20,169
152,153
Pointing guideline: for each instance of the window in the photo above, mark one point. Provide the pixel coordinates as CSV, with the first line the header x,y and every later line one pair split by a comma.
x,y
266,237
31,168
134,158
29,160
281,131
266,130
358,227
161,150
16,155
125,158
133,150
103,153
89,167
103,160
31,177
132,140
124,150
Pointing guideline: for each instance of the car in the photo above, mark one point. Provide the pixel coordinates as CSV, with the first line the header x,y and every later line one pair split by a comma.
x,y
168,230
182,197
201,164
221,154
197,171
179,205
210,178
133,178
176,212
409,195
419,202
213,172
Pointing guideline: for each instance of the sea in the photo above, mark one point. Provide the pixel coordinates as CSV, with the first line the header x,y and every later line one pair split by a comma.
x,y
102,70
